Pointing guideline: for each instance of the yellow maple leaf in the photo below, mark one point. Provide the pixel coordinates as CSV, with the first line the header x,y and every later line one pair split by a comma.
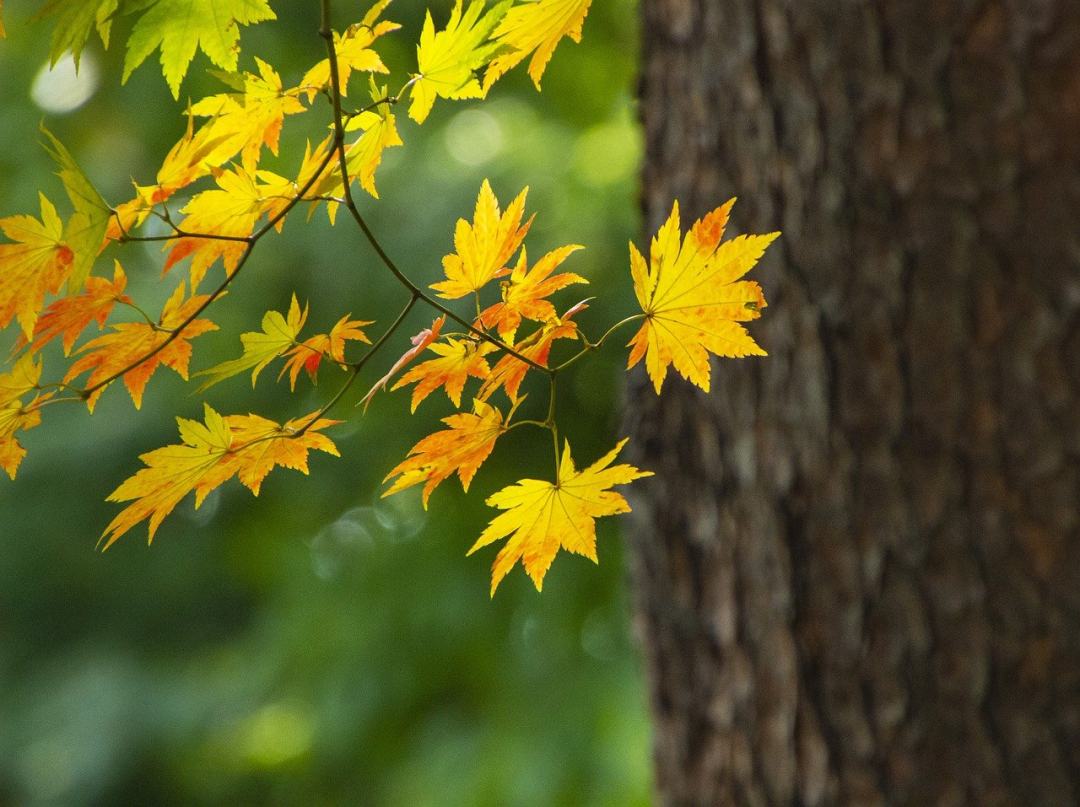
x,y
693,298
543,517
483,247
524,293
16,413
70,316
308,355
447,60
354,52
130,342
458,359
278,334
461,449
534,27
248,120
210,453
230,210
36,263
419,343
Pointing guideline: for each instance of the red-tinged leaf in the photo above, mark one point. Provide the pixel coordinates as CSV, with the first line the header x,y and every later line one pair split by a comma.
x,y
308,354
420,342
525,292
510,371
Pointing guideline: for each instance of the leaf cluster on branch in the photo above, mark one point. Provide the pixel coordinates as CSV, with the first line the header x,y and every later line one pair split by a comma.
x,y
495,323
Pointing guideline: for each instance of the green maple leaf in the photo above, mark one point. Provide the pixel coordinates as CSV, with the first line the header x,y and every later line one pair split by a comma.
x,y
178,27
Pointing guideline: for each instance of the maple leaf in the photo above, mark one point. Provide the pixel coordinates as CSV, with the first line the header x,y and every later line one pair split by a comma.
x,y
3,33
85,230
230,210
253,118
178,27
70,316
524,293
693,298
75,19
308,355
353,51
447,61
543,517
535,27
364,155
16,414
130,342
458,359
419,342
37,263
278,334
510,371
483,247
210,453
460,450
192,157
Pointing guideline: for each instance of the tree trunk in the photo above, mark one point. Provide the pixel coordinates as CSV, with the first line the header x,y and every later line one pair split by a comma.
x,y
857,572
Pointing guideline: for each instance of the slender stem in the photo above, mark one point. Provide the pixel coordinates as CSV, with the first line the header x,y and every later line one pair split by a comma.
x,y
591,346
350,203
251,241
551,423
357,366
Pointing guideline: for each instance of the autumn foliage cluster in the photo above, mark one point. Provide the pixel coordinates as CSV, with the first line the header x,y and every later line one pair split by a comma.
x,y
497,316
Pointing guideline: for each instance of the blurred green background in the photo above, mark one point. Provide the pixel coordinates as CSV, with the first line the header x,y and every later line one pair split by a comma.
x,y
319,645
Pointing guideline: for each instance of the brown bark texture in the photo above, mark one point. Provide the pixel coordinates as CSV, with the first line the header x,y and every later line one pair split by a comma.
x,y
857,571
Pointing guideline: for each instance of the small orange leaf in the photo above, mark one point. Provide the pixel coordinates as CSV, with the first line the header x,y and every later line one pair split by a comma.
x,y
461,449
69,316
510,371
524,293
131,341
420,342
458,359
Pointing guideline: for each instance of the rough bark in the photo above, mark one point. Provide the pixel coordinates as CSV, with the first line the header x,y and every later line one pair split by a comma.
x,y
857,571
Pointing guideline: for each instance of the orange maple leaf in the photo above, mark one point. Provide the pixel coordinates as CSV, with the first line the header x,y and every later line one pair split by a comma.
x,y
458,359
543,517
69,316
35,264
231,211
524,293
461,449
510,371
693,298
485,246
131,341
210,453
308,355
